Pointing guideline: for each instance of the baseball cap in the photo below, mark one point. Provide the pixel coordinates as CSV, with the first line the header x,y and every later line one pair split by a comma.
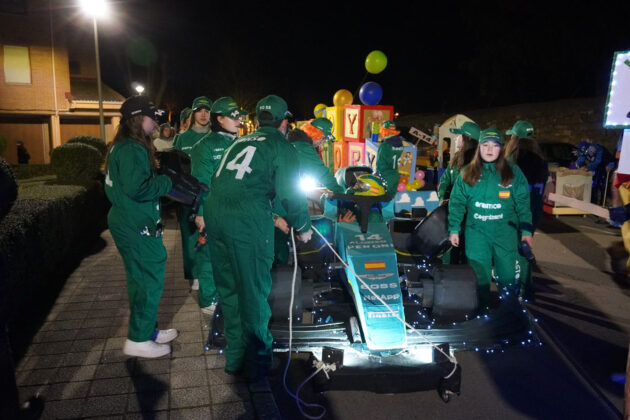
x,y
490,134
185,113
201,102
522,129
140,105
275,105
226,106
469,129
325,125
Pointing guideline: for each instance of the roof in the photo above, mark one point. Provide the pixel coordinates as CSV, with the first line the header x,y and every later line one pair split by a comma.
x,y
87,90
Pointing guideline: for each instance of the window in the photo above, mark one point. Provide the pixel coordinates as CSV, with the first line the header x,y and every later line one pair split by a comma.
x,y
17,65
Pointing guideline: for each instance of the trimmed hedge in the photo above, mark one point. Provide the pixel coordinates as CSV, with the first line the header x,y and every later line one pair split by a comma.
x,y
43,237
32,170
90,141
76,163
8,188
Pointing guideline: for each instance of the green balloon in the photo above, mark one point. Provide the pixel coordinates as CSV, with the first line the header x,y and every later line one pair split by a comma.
x,y
375,62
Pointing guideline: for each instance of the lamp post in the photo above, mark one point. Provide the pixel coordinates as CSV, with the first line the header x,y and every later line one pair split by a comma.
x,y
96,8
139,88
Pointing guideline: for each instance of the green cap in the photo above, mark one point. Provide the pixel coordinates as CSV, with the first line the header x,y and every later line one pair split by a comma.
x,y
490,134
325,125
522,129
184,114
389,124
201,102
227,106
469,129
274,105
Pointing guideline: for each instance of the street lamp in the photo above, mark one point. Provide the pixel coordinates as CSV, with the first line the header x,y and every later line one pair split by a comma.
x,y
96,8
139,88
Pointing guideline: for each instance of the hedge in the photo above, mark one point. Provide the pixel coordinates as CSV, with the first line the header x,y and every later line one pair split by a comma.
x,y
8,188
76,163
90,141
32,170
43,237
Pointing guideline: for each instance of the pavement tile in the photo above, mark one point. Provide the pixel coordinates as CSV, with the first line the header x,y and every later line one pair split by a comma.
x,y
76,306
150,383
35,377
48,336
187,349
229,393
148,401
113,356
191,337
266,407
41,362
152,367
58,347
219,377
112,386
89,333
112,370
66,390
242,410
199,413
82,358
115,343
119,330
111,302
182,364
102,322
64,409
61,325
188,379
148,415
215,361
184,326
99,406
189,397
75,373
88,345
108,313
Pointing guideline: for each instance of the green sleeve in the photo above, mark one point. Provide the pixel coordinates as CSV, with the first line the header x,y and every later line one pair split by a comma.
x,y
288,193
446,182
457,205
311,164
176,142
387,168
137,179
521,201
202,167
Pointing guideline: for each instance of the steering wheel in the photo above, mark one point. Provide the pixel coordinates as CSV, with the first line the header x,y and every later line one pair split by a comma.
x,y
364,203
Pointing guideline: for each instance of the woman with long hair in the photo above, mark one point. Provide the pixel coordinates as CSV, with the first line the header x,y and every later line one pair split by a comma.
x,y
134,189
494,196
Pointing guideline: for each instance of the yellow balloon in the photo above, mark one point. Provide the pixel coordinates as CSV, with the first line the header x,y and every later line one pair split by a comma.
x,y
320,111
342,97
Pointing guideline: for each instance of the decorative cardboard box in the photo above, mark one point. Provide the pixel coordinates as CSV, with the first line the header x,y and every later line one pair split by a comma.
x,y
574,183
340,154
326,153
335,115
356,154
405,201
358,119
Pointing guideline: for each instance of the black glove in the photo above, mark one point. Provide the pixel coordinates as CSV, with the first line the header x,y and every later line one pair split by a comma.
x,y
186,190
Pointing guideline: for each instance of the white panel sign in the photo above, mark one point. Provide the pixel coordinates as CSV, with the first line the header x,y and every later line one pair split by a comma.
x,y
624,157
421,136
618,105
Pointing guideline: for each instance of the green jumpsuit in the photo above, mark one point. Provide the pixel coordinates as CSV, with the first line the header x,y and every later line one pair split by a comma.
x,y
255,170
496,219
205,158
185,142
387,160
311,165
447,180
134,191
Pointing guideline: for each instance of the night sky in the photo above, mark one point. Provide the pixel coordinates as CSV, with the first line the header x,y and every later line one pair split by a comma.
x,y
442,56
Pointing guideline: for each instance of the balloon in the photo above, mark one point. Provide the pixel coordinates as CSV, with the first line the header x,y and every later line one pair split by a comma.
x,y
320,111
410,187
342,97
415,184
419,174
375,62
403,179
371,93
401,187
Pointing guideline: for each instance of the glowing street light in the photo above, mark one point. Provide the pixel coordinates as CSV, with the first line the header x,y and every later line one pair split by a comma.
x,y
97,8
139,88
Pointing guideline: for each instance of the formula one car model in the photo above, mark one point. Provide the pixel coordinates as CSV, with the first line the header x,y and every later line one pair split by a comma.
x,y
373,298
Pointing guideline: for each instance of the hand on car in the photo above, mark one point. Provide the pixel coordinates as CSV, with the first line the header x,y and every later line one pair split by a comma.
x,y
454,238
200,223
306,236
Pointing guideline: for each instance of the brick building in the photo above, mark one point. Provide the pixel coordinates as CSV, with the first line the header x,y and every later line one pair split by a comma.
x,y
48,89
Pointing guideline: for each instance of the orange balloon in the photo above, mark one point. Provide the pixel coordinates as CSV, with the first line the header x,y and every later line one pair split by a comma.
x,y
342,97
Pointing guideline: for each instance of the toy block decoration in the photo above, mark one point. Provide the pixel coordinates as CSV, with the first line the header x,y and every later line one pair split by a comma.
x,y
407,161
340,154
335,115
356,153
326,153
358,120
371,149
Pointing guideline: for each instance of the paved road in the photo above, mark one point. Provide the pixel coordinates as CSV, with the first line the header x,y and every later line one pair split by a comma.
x,y
582,301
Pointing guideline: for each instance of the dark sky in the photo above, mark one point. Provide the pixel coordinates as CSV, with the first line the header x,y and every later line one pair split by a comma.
x,y
442,55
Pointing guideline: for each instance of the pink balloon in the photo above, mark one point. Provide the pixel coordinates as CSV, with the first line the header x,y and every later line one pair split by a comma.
x,y
419,174
401,187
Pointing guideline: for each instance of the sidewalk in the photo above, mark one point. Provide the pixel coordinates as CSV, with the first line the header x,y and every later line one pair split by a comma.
x,y
76,363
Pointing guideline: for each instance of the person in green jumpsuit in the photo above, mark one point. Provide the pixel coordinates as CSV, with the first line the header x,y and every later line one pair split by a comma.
x,y
184,121
200,128
257,169
305,140
205,157
388,158
495,198
467,140
134,189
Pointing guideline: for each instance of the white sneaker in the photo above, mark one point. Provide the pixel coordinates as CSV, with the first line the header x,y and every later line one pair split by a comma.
x,y
166,336
195,285
148,349
209,310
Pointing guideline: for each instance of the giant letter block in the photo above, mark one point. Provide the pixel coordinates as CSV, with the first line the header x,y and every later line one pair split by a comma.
x,y
340,154
327,155
358,120
356,153
371,149
335,115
